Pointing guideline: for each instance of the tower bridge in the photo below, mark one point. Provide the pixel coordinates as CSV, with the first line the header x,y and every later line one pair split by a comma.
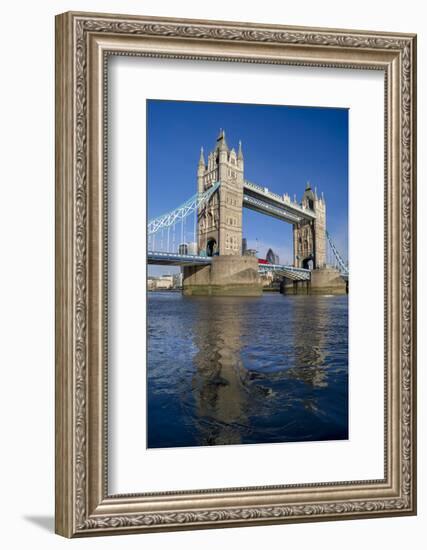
x,y
213,217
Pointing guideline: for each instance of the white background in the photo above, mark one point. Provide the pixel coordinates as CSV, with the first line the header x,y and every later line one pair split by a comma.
x,y
133,468
27,275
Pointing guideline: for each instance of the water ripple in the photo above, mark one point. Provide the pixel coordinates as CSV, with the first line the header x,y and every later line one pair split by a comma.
x,y
237,370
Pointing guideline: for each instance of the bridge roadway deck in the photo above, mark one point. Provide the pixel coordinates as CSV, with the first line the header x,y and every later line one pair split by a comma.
x,y
288,271
169,258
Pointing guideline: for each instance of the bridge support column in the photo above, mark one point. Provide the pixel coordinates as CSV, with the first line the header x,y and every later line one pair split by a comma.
x,y
291,287
226,276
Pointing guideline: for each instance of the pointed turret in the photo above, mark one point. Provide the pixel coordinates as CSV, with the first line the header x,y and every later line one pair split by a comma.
x,y
240,156
240,152
201,171
202,158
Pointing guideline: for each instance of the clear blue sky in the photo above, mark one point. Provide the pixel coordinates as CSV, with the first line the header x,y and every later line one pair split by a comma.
x,y
283,147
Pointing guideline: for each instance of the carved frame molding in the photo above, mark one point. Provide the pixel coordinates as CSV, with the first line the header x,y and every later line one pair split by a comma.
x,y
83,44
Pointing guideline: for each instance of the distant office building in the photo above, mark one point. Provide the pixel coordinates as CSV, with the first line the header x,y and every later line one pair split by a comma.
x,y
251,252
188,248
244,246
192,249
165,282
272,257
267,278
183,248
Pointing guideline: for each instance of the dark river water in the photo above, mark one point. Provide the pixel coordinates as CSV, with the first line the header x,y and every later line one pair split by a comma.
x,y
246,370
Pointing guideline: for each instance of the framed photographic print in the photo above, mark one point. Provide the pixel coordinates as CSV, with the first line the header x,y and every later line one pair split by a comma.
x,y
235,274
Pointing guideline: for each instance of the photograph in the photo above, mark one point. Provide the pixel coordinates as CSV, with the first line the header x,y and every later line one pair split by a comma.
x,y
247,273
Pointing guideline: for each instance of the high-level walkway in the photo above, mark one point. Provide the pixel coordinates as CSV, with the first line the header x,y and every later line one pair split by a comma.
x,y
266,202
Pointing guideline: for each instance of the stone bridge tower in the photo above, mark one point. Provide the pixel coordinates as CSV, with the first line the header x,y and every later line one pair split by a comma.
x,y
220,221
310,236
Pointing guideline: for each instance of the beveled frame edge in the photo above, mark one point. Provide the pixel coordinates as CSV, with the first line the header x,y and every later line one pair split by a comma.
x,y
82,505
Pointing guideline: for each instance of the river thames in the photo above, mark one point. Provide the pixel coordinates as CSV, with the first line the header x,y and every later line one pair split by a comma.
x,y
224,370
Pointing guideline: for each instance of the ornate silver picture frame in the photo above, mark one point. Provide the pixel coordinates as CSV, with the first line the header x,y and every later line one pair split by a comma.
x,y
84,42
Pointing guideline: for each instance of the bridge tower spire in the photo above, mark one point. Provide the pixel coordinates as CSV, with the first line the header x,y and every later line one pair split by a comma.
x,y
201,169
219,226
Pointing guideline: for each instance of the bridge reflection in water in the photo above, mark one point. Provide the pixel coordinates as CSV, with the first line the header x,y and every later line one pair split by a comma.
x,y
232,370
220,385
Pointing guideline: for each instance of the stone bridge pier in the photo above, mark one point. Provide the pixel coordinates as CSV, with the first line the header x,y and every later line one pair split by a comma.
x,y
225,276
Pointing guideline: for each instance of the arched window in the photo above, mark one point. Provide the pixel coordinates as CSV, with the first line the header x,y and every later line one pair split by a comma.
x,y
306,247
